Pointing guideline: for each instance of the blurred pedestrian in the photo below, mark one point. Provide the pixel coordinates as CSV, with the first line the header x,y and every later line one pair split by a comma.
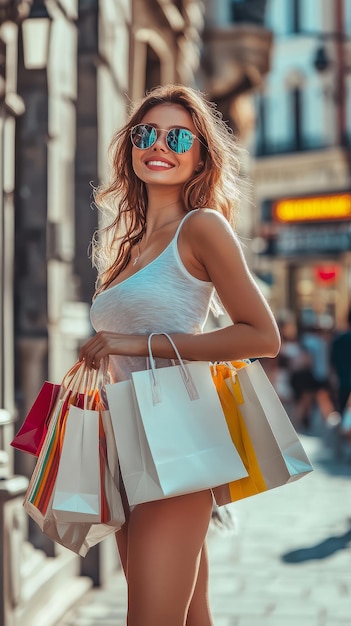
x,y
340,358
173,191
298,363
317,343
277,370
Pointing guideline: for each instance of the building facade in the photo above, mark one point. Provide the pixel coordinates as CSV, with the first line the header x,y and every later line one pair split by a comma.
x,y
302,166
77,65
72,68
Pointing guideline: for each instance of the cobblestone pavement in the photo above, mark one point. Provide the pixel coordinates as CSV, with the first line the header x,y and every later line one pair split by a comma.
x,y
287,564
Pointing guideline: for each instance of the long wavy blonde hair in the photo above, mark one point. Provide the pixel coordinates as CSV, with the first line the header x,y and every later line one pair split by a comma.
x,y
125,195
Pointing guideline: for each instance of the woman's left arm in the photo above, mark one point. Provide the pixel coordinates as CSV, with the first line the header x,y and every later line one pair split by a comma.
x,y
254,332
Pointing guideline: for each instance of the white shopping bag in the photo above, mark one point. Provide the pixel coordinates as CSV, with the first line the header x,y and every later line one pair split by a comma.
x,y
171,433
278,448
78,483
65,525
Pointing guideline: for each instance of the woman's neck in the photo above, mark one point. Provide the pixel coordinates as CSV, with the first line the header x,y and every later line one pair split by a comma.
x,y
162,211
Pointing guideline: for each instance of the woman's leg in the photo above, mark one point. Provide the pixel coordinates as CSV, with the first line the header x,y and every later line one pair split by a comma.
x,y
199,610
199,613
165,540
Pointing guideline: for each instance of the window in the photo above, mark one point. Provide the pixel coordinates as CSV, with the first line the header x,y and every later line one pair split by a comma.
x,y
153,69
261,130
248,11
296,16
296,108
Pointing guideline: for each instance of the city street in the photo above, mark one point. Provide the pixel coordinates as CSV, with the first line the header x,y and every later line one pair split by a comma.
x,y
260,131
287,564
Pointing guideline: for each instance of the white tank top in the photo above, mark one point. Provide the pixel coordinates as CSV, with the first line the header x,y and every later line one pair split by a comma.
x,y
161,297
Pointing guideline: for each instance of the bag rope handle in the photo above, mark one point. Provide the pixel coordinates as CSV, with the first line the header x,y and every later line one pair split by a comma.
x,y
187,379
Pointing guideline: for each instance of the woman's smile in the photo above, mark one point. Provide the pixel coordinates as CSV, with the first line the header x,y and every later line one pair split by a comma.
x,y
158,164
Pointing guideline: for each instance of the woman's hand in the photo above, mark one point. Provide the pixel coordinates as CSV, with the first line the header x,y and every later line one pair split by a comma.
x,y
105,343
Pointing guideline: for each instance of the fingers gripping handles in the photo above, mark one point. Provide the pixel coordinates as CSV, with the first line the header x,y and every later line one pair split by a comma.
x,y
183,370
85,381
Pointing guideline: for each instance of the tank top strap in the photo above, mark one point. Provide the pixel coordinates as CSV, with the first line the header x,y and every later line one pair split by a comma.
x,y
175,238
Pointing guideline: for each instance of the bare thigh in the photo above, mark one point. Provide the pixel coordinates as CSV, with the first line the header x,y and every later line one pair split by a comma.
x,y
165,540
199,612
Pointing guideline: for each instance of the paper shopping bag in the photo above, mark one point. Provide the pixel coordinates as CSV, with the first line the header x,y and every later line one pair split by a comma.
x,y
270,447
31,434
112,511
38,501
78,537
171,433
231,398
43,479
77,488
69,525
86,487
45,472
137,466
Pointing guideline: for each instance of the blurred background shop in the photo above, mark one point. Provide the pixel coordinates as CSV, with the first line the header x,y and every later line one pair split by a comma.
x,y
279,71
302,161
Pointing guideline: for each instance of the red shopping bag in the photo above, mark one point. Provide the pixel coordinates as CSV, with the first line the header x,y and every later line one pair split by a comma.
x,y
30,436
33,431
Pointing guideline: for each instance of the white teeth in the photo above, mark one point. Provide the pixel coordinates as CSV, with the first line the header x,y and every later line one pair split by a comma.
x,y
159,163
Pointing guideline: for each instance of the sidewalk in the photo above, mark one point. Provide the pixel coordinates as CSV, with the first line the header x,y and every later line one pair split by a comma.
x,y
288,564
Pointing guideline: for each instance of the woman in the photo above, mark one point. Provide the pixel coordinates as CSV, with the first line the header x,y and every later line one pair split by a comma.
x,y
170,246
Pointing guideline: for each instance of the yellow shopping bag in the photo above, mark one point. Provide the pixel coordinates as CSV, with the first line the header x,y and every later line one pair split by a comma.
x,y
229,392
261,430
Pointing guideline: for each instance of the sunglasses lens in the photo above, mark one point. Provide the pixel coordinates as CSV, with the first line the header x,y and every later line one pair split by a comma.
x,y
180,140
143,136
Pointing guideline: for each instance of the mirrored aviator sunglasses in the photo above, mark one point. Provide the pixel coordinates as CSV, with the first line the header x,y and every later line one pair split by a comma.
x,y
179,140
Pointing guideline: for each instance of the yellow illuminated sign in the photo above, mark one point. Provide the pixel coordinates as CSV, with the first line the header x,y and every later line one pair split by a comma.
x,y
317,208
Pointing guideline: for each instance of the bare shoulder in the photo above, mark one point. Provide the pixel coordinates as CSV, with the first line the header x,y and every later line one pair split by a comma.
x,y
209,229
207,223
208,242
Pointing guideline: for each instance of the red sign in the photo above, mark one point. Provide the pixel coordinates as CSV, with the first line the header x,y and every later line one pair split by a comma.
x,y
327,273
